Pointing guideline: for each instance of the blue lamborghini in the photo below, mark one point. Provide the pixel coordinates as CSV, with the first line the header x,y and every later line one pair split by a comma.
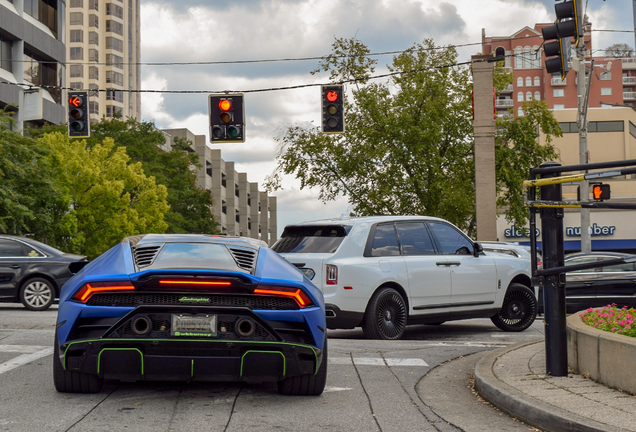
x,y
180,307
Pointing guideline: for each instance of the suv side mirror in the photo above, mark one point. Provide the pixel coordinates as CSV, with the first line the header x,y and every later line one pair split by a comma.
x,y
477,250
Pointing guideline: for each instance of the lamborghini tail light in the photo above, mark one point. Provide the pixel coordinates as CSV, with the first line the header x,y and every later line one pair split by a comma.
x,y
295,293
88,289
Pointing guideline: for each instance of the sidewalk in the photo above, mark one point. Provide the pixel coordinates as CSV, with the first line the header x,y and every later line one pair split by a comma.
x,y
513,379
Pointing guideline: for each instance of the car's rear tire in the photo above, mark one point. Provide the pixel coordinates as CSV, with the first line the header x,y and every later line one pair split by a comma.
x,y
518,311
37,294
385,317
306,385
72,381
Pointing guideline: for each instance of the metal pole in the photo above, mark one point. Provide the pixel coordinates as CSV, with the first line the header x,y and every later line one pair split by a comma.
x,y
553,285
586,241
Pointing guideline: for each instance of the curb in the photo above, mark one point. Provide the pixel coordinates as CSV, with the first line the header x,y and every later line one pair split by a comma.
x,y
527,408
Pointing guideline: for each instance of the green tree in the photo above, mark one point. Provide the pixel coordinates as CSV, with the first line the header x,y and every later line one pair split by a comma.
x,y
30,199
408,147
190,206
110,197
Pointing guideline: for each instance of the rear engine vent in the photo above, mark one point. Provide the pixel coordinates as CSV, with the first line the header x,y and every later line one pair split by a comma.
x,y
145,255
245,258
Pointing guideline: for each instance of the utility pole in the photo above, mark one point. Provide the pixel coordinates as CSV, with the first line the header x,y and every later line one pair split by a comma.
x,y
582,89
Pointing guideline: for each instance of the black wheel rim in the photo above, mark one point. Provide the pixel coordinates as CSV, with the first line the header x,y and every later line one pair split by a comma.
x,y
518,309
391,315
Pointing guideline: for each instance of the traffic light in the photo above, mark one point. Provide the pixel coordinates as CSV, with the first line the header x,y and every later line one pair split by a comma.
x,y
78,123
600,191
332,108
227,118
569,23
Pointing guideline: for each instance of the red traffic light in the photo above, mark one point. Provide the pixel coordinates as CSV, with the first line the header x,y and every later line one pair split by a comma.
x,y
225,105
332,96
75,101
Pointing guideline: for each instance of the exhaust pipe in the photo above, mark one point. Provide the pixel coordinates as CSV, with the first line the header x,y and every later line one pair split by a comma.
x,y
141,325
245,327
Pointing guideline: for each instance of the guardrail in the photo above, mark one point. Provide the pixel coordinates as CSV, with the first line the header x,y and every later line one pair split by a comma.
x,y
504,103
629,80
558,82
629,95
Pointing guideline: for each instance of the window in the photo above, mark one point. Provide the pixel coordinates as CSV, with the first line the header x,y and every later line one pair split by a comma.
x,y
114,78
529,96
558,92
93,72
519,82
414,239
385,241
450,239
115,27
77,35
93,55
115,60
115,44
520,97
528,81
93,4
93,38
93,90
77,71
537,95
115,95
559,106
114,111
10,248
76,18
609,126
537,81
520,112
5,54
518,58
237,217
606,91
194,255
93,107
606,76
77,3
223,180
93,21
527,59
236,190
536,57
223,207
311,239
75,85
114,10
44,11
77,53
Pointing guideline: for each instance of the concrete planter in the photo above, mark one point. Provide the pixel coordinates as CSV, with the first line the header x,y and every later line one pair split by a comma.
x,y
605,357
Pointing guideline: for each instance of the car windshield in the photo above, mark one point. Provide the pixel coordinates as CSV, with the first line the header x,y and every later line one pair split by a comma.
x,y
195,255
311,239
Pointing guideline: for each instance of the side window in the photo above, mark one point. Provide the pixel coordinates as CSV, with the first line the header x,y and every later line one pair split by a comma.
x,y
414,239
385,241
582,260
10,248
450,239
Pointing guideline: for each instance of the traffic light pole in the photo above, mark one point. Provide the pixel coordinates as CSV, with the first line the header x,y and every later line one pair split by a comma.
x,y
581,84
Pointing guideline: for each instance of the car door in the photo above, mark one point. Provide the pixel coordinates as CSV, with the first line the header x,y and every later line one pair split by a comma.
x,y
429,275
473,279
621,285
13,260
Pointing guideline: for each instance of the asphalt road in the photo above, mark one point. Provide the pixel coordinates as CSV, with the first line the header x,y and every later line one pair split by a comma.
x,y
372,386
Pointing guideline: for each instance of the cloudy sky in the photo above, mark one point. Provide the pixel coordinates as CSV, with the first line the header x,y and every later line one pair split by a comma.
x,y
178,31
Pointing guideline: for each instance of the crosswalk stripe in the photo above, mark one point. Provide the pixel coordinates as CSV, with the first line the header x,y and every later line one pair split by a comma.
x,y
377,361
24,359
26,349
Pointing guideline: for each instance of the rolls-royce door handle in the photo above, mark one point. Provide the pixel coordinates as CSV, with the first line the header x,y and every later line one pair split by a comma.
x,y
14,266
448,263
454,263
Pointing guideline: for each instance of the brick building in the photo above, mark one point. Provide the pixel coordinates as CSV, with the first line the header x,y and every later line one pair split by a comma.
x,y
524,58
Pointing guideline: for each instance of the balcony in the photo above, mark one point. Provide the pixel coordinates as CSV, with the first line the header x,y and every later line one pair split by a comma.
x,y
558,82
629,80
504,103
629,95
508,89
629,63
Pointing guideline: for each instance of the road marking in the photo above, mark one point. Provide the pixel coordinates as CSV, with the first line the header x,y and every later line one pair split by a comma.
x,y
26,349
24,359
371,361
335,389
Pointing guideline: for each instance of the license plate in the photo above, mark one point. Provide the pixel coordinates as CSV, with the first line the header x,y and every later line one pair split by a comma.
x,y
193,325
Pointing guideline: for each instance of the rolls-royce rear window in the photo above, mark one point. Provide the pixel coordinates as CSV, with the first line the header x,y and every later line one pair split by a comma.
x,y
311,239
